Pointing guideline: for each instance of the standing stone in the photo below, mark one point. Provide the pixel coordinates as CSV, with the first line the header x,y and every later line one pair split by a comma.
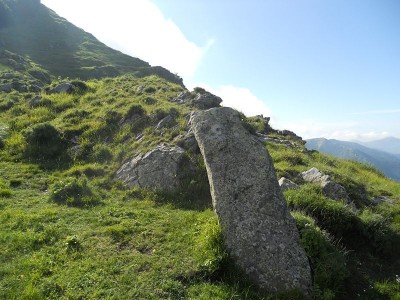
x,y
259,232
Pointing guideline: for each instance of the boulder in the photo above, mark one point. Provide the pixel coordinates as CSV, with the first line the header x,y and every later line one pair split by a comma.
x,y
259,232
287,184
64,87
330,188
163,168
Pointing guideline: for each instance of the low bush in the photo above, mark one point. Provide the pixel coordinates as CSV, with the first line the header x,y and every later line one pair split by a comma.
x,y
44,142
135,110
74,192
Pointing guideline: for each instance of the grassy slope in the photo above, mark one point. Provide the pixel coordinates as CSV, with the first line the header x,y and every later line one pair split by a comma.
x,y
143,245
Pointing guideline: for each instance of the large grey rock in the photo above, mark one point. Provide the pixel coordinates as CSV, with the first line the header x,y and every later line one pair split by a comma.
x,y
330,188
259,232
287,184
163,168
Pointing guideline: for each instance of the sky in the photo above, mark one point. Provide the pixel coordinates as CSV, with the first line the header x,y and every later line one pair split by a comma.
x,y
319,68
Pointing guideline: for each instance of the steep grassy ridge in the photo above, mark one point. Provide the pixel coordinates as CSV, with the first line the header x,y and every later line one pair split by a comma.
x,y
28,28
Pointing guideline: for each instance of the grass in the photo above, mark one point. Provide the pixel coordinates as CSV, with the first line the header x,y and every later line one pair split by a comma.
x,y
68,230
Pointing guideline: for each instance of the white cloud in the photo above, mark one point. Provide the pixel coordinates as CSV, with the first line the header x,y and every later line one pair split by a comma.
x,y
341,130
357,136
137,28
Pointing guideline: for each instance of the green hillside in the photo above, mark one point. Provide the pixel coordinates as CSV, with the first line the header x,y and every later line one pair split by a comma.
x,y
72,111
30,29
69,230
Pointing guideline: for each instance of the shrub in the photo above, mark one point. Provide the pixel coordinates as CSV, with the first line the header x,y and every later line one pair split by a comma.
x,y
135,110
5,191
150,90
80,86
328,264
73,244
44,142
73,192
149,100
101,153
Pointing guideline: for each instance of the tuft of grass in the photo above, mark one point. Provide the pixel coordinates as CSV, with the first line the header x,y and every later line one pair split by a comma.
x,y
74,192
328,263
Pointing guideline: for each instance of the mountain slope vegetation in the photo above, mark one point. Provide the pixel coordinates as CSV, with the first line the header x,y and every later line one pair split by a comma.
x,y
70,230
30,29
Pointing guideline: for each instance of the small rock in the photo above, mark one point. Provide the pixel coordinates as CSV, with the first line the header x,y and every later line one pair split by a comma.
x,y
166,122
35,101
381,199
287,184
314,176
5,88
64,87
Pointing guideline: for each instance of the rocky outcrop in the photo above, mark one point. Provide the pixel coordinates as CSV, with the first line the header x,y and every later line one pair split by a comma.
x,y
287,184
163,168
259,232
330,188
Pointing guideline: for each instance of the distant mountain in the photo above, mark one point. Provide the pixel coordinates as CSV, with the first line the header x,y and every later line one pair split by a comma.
x,y
388,163
389,144
31,30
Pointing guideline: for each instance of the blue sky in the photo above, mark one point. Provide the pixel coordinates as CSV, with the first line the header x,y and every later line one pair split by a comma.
x,y
319,68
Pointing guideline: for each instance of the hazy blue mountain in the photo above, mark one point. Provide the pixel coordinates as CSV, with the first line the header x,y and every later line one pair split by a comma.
x,y
386,162
389,144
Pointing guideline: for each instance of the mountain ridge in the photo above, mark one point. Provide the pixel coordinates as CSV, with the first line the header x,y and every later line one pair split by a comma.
x,y
32,30
388,163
